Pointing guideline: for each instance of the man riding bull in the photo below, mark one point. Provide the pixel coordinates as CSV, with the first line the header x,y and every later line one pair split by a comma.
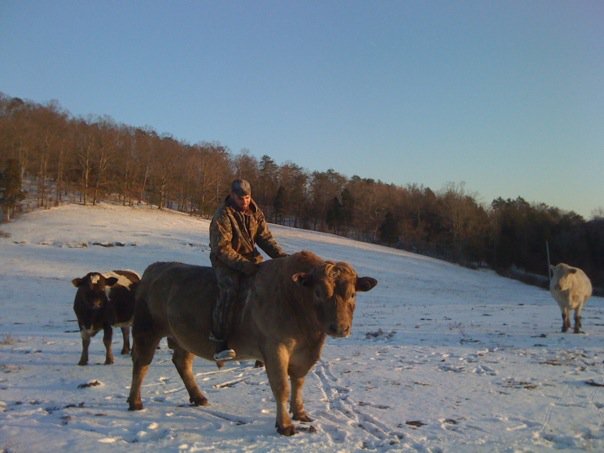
x,y
237,226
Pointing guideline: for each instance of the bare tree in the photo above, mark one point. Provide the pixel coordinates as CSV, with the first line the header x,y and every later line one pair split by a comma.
x,y
85,152
246,166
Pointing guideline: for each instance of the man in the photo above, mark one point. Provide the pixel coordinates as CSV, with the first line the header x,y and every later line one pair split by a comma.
x,y
237,226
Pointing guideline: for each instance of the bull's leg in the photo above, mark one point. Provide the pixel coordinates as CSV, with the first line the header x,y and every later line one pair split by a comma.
x,y
297,401
85,344
183,361
107,337
578,321
565,320
145,341
126,343
276,361
142,355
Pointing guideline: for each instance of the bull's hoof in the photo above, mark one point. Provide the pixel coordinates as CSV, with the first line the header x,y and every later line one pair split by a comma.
x,y
125,351
303,417
220,363
259,364
286,430
109,362
199,401
83,362
135,405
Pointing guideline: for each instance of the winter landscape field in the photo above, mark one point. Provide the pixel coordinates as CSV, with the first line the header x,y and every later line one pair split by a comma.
x,y
441,358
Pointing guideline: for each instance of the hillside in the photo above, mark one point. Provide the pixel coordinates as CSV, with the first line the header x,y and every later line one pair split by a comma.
x,y
441,358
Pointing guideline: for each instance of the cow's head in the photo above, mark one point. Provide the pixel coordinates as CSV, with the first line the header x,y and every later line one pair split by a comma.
x,y
562,276
334,287
92,296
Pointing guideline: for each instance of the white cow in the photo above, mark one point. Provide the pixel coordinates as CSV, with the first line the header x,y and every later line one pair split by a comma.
x,y
571,288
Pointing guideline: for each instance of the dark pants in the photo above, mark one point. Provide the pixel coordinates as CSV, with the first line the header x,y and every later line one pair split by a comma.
x,y
229,282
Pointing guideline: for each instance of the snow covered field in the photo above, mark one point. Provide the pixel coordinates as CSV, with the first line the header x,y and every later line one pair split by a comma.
x,y
441,358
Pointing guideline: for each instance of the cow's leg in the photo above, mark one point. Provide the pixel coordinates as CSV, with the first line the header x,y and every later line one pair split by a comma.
x,y
142,354
85,344
145,341
107,337
565,319
183,361
297,401
126,343
578,321
276,362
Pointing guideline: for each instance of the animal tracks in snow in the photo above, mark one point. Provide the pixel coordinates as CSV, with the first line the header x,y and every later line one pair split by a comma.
x,y
341,409
433,389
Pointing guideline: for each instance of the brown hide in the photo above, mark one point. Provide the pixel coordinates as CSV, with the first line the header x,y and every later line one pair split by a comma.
x,y
294,302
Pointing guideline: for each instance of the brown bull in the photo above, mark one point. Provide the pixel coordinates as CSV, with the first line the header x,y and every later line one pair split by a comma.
x,y
294,302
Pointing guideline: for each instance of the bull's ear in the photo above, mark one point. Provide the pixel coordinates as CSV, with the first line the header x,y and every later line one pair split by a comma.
x,y
551,267
302,278
110,281
572,271
76,282
365,283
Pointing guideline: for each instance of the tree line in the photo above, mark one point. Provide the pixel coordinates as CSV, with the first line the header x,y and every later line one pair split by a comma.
x,y
97,159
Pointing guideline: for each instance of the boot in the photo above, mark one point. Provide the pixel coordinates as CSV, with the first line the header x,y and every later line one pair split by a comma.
x,y
223,352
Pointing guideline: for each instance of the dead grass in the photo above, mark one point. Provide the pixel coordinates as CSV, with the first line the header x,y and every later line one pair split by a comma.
x,y
8,340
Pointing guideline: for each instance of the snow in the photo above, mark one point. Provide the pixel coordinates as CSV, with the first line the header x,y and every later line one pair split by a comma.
x,y
441,358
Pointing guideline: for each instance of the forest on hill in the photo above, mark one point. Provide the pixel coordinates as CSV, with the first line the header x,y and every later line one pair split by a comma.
x,y
89,160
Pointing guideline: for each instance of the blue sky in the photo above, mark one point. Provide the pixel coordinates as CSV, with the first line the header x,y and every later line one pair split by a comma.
x,y
504,97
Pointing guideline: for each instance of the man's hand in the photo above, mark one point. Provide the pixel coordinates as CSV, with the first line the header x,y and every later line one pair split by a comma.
x,y
249,268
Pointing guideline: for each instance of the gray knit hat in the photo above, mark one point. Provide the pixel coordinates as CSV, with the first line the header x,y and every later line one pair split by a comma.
x,y
241,187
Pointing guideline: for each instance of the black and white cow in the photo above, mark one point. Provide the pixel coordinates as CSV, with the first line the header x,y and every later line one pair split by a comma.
x,y
103,301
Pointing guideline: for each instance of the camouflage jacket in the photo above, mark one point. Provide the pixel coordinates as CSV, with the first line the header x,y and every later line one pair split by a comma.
x,y
234,235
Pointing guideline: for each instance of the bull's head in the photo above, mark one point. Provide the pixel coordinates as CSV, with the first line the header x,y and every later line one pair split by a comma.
x,y
92,296
334,287
562,276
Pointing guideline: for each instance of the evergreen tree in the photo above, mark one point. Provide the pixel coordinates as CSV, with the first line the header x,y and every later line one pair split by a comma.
x,y
279,204
334,217
389,230
347,208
